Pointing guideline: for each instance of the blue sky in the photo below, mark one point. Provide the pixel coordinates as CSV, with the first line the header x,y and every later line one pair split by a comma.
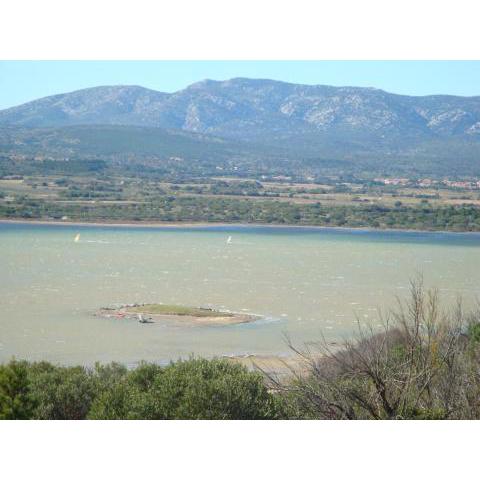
x,y
21,81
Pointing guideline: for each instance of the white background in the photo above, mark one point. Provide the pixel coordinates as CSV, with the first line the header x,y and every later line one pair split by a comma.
x,y
268,30
234,29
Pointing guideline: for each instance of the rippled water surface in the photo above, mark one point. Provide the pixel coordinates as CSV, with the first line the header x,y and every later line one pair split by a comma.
x,y
304,282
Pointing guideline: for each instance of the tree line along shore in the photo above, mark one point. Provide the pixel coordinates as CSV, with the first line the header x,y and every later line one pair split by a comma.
x,y
145,196
207,210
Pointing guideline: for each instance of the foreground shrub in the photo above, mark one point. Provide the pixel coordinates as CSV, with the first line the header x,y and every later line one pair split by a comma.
x,y
424,365
193,389
61,393
16,401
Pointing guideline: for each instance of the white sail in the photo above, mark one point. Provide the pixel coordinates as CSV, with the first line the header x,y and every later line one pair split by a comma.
x,y
77,238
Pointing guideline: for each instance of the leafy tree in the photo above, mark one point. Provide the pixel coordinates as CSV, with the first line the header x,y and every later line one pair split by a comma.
x,y
61,393
114,403
193,389
16,402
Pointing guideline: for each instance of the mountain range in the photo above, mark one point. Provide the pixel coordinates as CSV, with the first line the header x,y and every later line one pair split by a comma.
x,y
309,121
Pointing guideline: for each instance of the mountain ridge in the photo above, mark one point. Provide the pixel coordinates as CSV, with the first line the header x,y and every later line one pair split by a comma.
x,y
239,106
267,118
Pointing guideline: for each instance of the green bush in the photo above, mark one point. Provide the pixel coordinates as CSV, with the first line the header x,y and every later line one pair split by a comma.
x,y
193,389
61,393
16,401
474,332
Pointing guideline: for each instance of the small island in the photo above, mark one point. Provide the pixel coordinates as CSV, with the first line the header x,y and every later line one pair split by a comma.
x,y
158,312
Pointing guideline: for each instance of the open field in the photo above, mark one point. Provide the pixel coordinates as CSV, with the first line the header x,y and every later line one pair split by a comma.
x,y
79,189
358,203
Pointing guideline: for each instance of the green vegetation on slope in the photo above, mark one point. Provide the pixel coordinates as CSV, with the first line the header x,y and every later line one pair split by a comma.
x,y
365,128
193,389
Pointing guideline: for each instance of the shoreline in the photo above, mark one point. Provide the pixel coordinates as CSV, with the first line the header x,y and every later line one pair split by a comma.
x,y
180,225
280,366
